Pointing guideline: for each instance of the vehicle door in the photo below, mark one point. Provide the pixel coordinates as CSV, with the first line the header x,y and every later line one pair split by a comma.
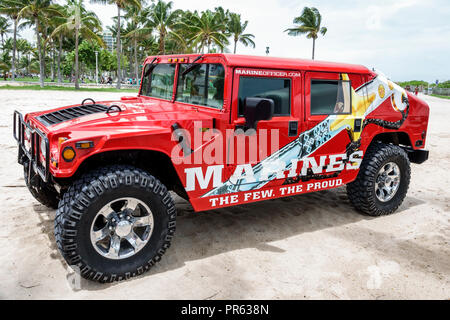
x,y
331,114
260,149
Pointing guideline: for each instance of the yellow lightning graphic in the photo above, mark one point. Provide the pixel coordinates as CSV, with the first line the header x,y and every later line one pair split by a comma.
x,y
359,107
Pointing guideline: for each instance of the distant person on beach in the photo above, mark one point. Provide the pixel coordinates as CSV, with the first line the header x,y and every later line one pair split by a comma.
x,y
416,91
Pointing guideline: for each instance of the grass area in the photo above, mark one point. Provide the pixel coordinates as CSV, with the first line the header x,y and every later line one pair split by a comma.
x,y
439,96
36,79
37,87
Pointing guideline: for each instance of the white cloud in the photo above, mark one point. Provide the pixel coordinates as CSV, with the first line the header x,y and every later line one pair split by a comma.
x,y
380,13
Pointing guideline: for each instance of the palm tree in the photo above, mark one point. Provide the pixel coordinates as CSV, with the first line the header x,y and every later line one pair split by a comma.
x,y
82,22
35,11
237,29
4,67
8,45
163,19
64,16
308,23
138,32
11,8
20,44
223,16
207,29
25,48
150,45
120,5
4,28
5,63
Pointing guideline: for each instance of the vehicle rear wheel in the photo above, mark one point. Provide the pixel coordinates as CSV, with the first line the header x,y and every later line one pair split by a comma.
x,y
382,181
115,223
42,192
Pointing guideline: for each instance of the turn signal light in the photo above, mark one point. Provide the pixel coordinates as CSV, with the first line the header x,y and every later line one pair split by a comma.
x,y
84,144
68,154
60,141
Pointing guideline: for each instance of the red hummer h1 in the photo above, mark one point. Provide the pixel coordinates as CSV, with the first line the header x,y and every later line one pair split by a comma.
x,y
219,130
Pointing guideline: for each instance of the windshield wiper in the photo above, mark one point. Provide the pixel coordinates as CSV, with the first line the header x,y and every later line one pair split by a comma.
x,y
152,66
192,66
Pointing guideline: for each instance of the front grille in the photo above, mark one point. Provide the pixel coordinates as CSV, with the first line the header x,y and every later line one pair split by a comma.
x,y
59,116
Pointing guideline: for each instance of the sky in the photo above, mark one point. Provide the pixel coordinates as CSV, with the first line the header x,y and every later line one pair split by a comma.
x,y
405,39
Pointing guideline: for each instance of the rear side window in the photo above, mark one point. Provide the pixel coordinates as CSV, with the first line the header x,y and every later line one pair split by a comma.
x,y
330,97
279,90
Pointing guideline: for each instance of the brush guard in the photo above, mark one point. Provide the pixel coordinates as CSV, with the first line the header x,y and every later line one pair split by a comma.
x,y
37,161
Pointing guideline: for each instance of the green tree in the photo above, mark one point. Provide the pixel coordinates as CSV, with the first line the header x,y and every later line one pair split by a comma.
x,y
68,64
138,31
12,9
206,30
4,67
35,11
309,23
163,19
445,84
56,21
106,61
149,45
236,28
27,50
86,53
20,45
121,4
4,28
82,22
5,60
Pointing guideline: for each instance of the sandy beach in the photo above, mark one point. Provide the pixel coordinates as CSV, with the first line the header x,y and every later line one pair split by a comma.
x,y
311,246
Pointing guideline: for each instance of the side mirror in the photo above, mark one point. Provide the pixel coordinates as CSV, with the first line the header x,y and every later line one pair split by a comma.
x,y
256,109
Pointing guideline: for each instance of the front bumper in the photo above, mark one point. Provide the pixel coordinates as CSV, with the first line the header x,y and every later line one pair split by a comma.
x,y
37,161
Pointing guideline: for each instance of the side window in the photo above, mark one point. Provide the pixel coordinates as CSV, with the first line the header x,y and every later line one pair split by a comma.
x,y
201,85
330,97
279,90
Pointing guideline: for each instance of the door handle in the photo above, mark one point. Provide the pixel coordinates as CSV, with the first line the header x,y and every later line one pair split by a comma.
x,y
293,128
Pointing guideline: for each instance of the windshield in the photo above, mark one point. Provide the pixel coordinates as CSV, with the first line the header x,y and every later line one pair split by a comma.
x,y
159,83
202,85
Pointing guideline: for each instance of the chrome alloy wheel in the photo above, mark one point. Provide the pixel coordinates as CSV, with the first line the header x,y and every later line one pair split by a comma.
x,y
387,181
122,228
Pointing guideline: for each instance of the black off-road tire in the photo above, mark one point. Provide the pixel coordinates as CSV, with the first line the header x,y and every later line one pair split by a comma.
x,y
42,192
78,208
361,192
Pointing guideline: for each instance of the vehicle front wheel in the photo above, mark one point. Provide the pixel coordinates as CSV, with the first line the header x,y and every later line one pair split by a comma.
x,y
382,181
115,223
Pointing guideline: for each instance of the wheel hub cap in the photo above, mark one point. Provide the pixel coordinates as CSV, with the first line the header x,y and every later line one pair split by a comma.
x,y
122,228
387,181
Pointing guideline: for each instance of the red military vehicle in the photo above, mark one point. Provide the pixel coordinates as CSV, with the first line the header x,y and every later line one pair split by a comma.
x,y
218,130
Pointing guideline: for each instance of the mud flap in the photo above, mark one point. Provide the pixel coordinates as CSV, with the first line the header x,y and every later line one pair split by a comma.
x,y
417,156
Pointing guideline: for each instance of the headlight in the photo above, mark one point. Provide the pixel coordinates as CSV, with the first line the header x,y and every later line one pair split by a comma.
x,y
68,154
43,148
